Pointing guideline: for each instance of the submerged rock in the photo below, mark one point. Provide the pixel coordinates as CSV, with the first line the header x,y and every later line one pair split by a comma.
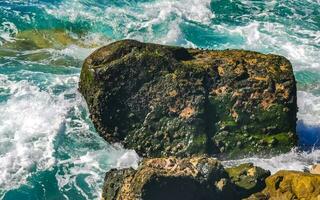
x,y
164,100
39,39
50,46
286,185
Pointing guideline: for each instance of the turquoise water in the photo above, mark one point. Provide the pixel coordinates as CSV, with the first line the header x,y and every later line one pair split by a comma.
x,y
48,146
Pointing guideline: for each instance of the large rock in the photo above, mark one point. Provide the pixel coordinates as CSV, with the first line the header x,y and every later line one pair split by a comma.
x,y
195,178
285,185
164,100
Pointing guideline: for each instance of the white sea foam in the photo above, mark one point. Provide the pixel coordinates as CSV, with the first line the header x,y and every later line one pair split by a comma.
x,y
8,31
73,51
293,160
30,118
276,38
139,22
36,126
71,55
198,11
73,10
309,108
93,166
127,160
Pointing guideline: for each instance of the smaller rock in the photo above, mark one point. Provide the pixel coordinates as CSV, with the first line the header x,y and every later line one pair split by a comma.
x,y
171,178
248,178
290,185
315,169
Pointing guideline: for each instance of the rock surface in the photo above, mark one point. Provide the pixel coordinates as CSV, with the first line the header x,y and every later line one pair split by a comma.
x,y
285,185
194,178
164,100
248,178
315,169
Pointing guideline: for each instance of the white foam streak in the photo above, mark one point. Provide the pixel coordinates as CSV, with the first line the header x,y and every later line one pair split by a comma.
x,y
293,160
73,51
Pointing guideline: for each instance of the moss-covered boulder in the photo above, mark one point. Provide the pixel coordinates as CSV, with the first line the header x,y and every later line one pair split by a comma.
x,y
164,100
285,185
195,178
248,178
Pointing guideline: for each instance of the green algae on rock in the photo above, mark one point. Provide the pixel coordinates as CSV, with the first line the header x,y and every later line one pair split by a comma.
x,y
248,178
164,100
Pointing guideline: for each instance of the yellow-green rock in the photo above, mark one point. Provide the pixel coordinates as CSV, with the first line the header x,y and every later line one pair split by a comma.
x,y
248,178
171,178
290,185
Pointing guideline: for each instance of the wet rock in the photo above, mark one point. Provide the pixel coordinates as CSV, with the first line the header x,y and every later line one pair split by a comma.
x,y
193,94
315,169
195,178
248,178
290,185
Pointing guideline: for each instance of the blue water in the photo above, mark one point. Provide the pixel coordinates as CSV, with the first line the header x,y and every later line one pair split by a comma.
x,y
48,146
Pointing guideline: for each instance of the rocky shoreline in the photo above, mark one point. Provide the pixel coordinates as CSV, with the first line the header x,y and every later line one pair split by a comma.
x,y
179,108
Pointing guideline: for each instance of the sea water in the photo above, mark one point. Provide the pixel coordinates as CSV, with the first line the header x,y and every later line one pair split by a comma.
x,y
49,148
